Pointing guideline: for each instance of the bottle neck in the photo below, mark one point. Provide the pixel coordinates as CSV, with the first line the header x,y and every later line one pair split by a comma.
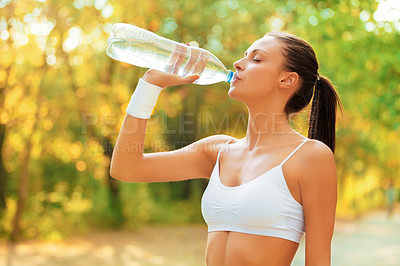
x,y
229,77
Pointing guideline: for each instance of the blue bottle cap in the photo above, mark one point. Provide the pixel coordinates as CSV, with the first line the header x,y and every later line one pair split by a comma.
x,y
230,76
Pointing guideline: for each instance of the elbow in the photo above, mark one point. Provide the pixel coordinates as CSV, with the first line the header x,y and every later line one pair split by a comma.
x,y
125,169
123,174
115,168
118,175
319,257
112,172
115,171
115,174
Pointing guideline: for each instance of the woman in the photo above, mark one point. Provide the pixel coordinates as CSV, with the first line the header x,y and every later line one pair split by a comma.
x,y
266,189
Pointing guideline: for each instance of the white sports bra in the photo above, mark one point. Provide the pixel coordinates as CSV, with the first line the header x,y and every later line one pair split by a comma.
x,y
262,206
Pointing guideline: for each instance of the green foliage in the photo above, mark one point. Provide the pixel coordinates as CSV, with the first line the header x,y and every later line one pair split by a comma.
x,y
64,96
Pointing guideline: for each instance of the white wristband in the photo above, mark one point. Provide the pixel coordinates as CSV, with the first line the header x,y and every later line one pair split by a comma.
x,y
143,100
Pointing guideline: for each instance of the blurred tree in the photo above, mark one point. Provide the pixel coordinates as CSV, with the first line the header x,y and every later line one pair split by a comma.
x,y
7,13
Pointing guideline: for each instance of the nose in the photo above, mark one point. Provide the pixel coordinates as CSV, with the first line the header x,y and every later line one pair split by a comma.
x,y
238,65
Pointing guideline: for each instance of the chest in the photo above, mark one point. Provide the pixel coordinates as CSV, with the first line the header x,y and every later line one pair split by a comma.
x,y
235,169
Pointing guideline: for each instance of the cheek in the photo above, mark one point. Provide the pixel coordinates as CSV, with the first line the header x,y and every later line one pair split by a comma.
x,y
258,83
267,73
262,80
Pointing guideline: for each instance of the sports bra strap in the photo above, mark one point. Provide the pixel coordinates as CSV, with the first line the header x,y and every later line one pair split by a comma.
x,y
219,152
290,155
284,161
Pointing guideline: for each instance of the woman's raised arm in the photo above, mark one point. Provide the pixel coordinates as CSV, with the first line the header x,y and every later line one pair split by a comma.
x,y
128,163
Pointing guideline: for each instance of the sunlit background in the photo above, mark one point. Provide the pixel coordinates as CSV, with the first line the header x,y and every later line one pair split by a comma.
x,y
62,102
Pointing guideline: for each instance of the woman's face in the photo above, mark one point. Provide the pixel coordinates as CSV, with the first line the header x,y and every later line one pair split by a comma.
x,y
259,72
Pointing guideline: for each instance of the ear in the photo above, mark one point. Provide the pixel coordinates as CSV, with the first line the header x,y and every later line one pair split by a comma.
x,y
289,80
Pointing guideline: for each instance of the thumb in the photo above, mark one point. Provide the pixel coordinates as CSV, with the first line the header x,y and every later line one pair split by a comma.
x,y
192,78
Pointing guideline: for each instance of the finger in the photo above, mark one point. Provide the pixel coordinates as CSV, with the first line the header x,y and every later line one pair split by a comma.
x,y
194,56
181,57
172,59
201,63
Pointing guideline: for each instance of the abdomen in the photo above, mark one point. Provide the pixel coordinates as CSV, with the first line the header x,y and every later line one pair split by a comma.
x,y
236,249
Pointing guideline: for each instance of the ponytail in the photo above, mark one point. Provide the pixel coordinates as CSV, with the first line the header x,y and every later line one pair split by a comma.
x,y
322,121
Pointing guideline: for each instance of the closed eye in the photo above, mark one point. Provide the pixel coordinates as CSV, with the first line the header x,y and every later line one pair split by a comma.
x,y
256,60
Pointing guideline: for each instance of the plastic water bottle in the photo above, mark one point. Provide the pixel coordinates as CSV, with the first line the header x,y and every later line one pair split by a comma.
x,y
136,46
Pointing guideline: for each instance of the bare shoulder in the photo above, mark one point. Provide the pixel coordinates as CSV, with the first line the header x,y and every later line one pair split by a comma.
x,y
314,148
317,161
212,144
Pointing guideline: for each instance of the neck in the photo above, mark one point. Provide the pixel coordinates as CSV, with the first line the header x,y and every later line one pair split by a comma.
x,y
266,128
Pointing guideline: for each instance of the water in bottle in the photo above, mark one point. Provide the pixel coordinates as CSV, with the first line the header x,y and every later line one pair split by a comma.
x,y
136,46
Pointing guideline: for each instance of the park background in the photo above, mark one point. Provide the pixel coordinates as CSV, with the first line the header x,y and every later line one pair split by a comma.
x,y
63,100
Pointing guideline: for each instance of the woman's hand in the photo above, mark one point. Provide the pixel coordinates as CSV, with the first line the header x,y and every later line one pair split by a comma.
x,y
164,80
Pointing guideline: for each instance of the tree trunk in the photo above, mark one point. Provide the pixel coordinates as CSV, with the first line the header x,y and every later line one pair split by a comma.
x,y
23,189
9,10
23,185
114,200
3,173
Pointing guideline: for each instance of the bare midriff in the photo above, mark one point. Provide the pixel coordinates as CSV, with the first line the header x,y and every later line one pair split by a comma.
x,y
225,248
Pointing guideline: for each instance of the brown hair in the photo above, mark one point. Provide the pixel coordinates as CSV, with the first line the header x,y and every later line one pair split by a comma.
x,y
301,58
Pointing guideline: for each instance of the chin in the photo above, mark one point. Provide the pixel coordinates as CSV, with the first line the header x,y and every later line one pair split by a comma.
x,y
236,94
233,93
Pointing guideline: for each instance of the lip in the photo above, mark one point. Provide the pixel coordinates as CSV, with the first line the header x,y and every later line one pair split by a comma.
x,y
235,78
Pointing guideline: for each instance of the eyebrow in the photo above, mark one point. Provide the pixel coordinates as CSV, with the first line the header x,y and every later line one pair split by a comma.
x,y
256,50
